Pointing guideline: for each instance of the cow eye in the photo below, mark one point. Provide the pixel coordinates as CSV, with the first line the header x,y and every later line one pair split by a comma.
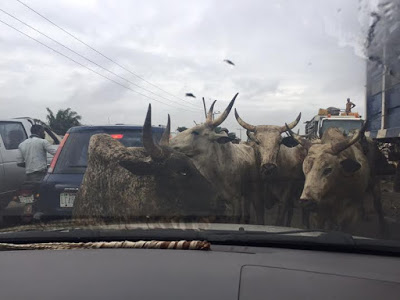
x,y
195,133
327,171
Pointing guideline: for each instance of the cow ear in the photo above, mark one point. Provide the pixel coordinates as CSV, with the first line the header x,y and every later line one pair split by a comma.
x,y
290,142
140,168
223,139
350,165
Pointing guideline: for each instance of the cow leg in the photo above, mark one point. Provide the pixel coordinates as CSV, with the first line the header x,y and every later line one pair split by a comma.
x,y
376,192
293,194
305,215
259,209
284,206
255,198
245,208
289,211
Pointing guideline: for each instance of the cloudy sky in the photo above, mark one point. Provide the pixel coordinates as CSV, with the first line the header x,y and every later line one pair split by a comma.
x,y
291,56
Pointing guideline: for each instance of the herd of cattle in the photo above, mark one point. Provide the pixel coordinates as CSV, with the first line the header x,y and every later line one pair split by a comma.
x,y
201,175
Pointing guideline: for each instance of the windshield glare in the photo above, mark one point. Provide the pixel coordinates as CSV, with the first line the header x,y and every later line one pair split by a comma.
x,y
220,97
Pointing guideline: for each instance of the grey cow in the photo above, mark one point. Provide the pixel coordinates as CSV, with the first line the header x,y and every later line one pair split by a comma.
x,y
231,168
279,165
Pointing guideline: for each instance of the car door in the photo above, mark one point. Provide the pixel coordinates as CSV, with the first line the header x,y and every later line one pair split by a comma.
x,y
2,176
12,134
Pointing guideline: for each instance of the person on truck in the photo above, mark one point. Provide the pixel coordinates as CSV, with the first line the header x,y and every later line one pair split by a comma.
x,y
33,154
349,106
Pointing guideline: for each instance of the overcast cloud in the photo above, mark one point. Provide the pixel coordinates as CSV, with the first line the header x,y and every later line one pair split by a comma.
x,y
291,56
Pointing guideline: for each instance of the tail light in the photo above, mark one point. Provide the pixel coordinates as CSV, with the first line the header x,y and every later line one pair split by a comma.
x,y
117,136
55,158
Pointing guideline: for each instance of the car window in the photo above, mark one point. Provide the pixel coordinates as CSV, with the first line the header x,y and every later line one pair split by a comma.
x,y
13,134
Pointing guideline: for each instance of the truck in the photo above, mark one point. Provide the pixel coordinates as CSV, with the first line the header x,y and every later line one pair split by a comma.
x,y
383,87
332,117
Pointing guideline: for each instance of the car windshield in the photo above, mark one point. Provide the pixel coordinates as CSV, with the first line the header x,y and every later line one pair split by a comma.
x,y
264,116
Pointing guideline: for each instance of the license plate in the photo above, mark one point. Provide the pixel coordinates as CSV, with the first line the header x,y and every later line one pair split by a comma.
x,y
67,199
26,199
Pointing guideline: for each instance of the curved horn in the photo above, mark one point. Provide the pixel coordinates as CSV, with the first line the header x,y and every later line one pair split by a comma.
x,y
302,141
166,134
341,146
210,113
225,114
291,125
242,123
148,143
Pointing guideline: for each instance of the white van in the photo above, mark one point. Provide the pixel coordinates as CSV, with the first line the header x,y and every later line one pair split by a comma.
x,y
12,133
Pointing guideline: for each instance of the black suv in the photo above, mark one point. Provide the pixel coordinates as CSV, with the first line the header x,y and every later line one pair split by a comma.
x,y
64,177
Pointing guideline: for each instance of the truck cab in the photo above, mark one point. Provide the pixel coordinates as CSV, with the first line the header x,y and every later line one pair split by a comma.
x,y
328,118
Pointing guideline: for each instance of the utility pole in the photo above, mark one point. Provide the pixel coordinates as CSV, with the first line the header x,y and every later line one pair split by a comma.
x,y
215,113
205,109
240,132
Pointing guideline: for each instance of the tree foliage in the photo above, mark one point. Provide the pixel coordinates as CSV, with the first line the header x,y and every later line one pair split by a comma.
x,y
63,120
180,129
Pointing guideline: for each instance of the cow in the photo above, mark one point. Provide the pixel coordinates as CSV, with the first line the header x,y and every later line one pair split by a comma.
x,y
340,186
230,167
280,166
153,182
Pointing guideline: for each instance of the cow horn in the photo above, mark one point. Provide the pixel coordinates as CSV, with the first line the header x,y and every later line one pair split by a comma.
x,y
250,135
153,149
341,146
166,134
291,125
302,141
224,115
242,123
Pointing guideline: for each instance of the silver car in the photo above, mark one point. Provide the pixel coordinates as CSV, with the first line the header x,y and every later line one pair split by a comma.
x,y
12,133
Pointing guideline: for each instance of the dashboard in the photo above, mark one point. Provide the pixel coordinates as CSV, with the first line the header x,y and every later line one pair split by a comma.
x,y
225,272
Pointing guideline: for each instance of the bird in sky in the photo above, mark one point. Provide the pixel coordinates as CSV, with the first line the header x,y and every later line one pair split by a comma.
x,y
190,95
229,62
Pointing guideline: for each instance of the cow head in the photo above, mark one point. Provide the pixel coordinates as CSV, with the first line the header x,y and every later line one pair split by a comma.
x,y
328,168
267,139
197,140
177,178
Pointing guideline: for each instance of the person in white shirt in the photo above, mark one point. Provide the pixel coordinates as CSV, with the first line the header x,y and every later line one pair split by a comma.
x,y
33,154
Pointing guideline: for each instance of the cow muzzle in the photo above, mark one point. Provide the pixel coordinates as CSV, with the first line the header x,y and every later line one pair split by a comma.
x,y
268,169
308,204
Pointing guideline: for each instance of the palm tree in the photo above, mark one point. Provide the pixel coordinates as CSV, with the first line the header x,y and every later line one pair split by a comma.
x,y
180,129
63,120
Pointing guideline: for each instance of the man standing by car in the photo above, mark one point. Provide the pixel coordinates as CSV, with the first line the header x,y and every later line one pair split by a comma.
x,y
33,154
